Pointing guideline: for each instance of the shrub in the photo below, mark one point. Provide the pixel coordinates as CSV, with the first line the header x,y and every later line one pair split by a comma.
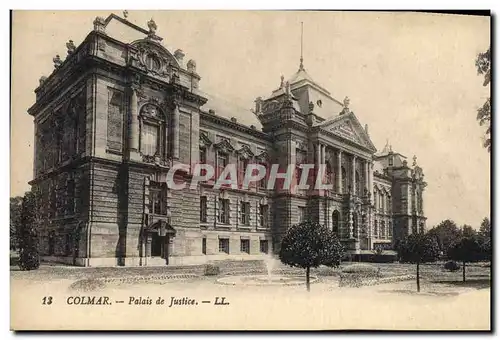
x,y
451,266
211,269
29,258
360,268
87,285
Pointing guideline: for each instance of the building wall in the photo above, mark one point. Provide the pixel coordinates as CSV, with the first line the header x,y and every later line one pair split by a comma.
x,y
111,180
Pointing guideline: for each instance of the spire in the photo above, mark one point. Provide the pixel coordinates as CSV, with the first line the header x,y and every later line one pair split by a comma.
x,y
301,66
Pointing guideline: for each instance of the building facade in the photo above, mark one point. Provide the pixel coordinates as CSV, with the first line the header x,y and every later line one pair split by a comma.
x,y
115,116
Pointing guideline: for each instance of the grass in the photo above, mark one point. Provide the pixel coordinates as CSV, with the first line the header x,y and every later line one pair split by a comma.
x,y
477,275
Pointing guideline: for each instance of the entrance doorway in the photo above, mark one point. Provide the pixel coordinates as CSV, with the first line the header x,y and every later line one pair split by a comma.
x,y
157,245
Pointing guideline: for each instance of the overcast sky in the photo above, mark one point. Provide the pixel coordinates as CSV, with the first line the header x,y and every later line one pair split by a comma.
x,y
410,77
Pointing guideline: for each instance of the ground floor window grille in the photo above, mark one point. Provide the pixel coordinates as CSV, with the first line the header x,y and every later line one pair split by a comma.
x,y
224,245
245,246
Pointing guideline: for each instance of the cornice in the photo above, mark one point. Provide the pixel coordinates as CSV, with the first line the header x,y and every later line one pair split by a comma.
x,y
223,121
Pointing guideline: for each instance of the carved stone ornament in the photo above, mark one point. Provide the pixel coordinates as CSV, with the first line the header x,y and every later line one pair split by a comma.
x,y
152,58
300,145
263,156
151,110
71,47
224,146
57,61
191,66
347,101
204,140
152,30
245,152
100,24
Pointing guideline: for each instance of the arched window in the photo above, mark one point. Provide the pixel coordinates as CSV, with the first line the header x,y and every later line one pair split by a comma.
x,y
375,198
375,228
389,229
336,221
382,230
345,189
358,184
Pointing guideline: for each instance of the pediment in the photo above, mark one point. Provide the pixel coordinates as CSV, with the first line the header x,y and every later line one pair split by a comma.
x,y
348,127
152,57
245,152
224,146
263,156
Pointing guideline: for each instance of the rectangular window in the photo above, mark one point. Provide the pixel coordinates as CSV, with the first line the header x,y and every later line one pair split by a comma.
x,y
203,155
53,200
222,160
115,120
204,246
264,246
224,245
223,215
242,167
302,214
263,215
245,246
149,140
157,199
245,213
203,208
263,181
67,245
70,196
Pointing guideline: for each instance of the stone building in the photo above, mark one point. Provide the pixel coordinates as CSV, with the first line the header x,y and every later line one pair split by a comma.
x,y
115,116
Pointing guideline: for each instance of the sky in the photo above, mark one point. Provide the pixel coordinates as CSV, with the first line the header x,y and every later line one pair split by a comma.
x,y
410,76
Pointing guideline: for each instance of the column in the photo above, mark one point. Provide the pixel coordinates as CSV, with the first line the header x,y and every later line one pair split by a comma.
x,y
339,171
367,170
134,122
317,163
318,155
323,153
353,179
175,140
370,180
323,173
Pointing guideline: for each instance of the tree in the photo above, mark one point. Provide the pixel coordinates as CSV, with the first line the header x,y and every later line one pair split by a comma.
x,y
16,204
483,65
28,238
418,248
467,249
484,236
309,245
445,233
468,231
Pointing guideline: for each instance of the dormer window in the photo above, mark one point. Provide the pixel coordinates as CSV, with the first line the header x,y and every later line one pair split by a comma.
x,y
391,161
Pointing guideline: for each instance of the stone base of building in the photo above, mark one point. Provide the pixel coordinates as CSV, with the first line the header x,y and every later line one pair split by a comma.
x,y
150,261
